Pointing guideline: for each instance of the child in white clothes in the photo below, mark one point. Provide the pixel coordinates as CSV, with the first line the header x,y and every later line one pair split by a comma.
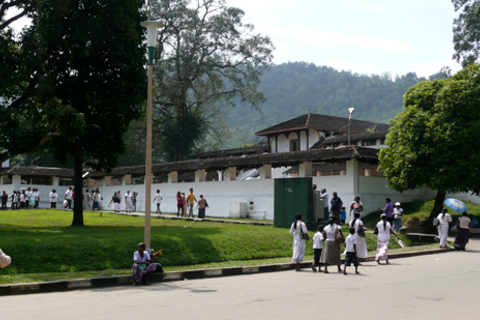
x,y
317,249
351,251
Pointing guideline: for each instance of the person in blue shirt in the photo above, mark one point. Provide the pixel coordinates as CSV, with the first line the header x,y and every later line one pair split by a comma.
x,y
343,216
336,207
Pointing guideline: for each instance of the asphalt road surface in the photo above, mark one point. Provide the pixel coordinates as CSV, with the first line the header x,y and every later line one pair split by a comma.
x,y
441,286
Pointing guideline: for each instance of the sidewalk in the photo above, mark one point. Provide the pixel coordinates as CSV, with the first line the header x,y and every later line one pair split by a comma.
x,y
126,280
168,216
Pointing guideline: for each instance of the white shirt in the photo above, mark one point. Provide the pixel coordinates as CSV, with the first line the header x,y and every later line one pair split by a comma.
x,y
158,198
68,194
443,221
330,231
136,256
28,194
464,222
53,197
350,241
357,225
397,213
317,240
383,233
296,231
36,195
324,196
98,197
128,196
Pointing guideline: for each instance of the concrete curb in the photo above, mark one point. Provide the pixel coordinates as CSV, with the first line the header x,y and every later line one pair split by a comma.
x,y
124,280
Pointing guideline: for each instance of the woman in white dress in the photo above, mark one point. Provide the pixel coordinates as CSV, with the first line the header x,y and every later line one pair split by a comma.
x,y
298,243
444,220
331,251
357,223
383,238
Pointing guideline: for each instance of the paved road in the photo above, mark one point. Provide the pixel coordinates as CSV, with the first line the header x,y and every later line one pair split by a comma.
x,y
442,286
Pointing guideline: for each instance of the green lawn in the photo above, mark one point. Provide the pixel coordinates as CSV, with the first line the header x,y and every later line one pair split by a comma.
x,y
44,246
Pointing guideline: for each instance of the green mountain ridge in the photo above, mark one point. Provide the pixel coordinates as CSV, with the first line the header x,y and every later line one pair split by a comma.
x,y
296,88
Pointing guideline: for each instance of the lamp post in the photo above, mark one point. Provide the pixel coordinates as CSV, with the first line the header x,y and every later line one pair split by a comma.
x,y
152,28
350,111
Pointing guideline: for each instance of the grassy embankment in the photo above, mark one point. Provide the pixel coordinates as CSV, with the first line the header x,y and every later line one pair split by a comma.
x,y
43,246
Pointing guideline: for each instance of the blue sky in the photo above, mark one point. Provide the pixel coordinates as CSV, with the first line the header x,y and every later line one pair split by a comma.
x,y
363,36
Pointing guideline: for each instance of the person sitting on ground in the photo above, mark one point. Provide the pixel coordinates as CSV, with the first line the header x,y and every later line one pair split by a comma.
x,y
5,260
142,265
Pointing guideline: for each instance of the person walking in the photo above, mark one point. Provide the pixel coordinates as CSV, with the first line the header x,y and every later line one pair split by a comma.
x,y
158,200
331,251
336,207
388,210
128,202
298,227
179,203
351,251
463,232
202,204
443,219
361,245
324,197
4,200
397,217
53,195
383,238
191,201
68,197
356,206
134,201
317,249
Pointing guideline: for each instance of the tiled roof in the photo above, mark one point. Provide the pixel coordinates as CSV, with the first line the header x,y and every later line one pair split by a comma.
x,y
353,138
258,148
323,123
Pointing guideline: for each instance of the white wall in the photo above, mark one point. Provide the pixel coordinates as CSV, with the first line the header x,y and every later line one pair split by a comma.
x,y
464,197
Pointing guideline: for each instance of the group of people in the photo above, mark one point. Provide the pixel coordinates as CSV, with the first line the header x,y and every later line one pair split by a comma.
x,y
24,199
328,239
130,201
190,199
90,200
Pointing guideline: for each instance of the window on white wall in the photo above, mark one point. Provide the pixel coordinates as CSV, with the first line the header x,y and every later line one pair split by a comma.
x,y
294,145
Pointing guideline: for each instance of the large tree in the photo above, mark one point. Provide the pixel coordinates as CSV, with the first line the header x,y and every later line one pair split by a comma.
x,y
82,82
466,31
434,141
207,60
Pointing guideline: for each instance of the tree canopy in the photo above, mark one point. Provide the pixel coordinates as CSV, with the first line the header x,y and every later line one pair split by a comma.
x,y
466,31
77,84
207,58
433,142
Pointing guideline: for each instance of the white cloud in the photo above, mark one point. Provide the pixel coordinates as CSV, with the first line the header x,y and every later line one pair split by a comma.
x,y
429,68
372,7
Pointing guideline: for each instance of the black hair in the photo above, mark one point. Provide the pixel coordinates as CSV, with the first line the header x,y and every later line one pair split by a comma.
x,y
444,211
356,216
143,245
298,217
320,228
351,230
384,218
331,220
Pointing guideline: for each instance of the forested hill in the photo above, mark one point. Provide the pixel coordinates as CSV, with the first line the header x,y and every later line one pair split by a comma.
x,y
295,88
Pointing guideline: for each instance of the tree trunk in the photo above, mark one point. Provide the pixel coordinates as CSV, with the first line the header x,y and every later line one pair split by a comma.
x,y
78,201
438,206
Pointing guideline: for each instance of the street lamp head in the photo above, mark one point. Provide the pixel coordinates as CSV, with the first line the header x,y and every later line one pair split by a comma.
x,y
350,110
152,29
